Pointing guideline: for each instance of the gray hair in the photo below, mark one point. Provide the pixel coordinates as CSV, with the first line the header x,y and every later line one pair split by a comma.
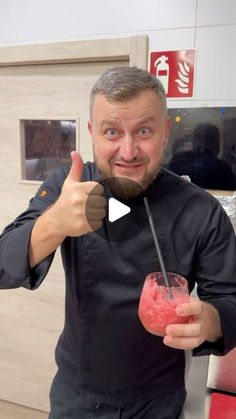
x,y
121,83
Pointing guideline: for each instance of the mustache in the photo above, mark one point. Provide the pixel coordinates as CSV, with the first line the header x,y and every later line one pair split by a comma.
x,y
134,161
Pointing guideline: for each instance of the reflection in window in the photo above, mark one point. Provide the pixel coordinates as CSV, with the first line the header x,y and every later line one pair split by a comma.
x,y
202,146
47,145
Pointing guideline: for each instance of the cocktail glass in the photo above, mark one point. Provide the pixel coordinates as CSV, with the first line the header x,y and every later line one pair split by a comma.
x,y
157,305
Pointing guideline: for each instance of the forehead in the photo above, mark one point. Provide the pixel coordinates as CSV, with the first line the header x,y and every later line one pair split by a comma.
x,y
145,104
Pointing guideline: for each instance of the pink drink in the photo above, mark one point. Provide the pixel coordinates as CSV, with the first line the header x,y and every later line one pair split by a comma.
x,y
156,307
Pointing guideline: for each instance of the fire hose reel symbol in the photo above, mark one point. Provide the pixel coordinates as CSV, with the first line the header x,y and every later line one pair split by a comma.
x,y
183,80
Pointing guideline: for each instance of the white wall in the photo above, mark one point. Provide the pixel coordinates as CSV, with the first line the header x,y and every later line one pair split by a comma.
x,y
207,25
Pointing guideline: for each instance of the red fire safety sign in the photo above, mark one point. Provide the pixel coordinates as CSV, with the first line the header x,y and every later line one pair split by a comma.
x,y
175,69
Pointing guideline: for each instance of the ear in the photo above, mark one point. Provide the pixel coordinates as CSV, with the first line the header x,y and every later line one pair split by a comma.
x,y
90,127
167,130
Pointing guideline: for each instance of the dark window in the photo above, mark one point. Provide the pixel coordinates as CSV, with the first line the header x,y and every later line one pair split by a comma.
x,y
47,144
202,145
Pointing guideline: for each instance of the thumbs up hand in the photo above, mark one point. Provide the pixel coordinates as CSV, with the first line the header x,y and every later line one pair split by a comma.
x,y
81,205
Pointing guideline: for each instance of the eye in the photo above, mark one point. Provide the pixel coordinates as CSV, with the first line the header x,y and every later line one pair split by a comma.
x,y
111,132
144,131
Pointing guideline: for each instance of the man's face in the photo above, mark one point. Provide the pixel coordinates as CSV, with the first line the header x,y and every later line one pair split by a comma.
x,y
129,136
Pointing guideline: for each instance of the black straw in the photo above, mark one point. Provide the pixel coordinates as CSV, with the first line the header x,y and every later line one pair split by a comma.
x,y
158,250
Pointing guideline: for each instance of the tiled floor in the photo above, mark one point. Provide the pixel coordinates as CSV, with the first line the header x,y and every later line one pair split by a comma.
x,y
14,411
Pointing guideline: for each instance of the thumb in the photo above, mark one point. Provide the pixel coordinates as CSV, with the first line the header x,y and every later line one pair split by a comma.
x,y
76,169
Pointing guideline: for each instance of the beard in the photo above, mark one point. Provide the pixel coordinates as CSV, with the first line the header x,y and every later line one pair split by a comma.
x,y
124,187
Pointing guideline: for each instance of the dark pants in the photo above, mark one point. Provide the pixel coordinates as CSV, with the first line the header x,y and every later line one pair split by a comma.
x,y
67,404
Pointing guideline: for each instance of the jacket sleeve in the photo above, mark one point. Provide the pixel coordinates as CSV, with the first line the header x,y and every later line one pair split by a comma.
x,y
216,277
15,270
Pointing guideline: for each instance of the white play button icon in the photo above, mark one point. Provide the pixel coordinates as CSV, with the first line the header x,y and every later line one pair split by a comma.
x,y
116,210
125,213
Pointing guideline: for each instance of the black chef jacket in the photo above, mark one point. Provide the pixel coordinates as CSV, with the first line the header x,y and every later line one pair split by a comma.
x,y
104,350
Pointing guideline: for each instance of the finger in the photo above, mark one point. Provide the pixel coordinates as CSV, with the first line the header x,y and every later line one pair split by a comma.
x,y
97,214
98,189
181,343
184,330
96,201
95,225
193,308
77,166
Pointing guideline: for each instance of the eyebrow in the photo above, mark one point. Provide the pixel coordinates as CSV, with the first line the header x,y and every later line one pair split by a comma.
x,y
108,122
143,121
146,120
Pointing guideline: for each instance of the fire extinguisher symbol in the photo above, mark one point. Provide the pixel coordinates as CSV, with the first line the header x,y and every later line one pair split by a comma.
x,y
162,71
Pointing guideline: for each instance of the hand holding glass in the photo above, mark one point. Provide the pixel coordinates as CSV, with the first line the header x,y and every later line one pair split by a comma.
x,y
157,306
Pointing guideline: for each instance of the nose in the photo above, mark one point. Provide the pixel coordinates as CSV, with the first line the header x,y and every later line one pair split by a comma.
x,y
128,148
